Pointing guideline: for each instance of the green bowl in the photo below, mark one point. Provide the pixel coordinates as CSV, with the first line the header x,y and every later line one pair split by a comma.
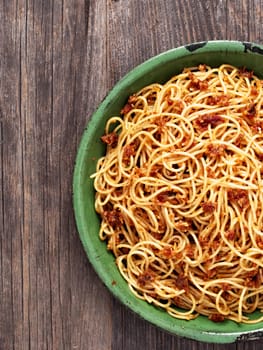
x,y
157,69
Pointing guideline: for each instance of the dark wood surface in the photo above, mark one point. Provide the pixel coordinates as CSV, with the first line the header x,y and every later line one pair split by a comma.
x,y
58,60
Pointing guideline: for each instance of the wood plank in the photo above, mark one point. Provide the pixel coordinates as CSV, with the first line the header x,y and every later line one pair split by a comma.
x,y
11,309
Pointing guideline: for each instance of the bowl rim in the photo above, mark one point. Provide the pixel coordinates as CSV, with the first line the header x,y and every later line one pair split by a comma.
x,y
234,46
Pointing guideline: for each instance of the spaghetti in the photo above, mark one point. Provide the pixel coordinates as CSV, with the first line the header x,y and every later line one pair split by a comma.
x,y
180,193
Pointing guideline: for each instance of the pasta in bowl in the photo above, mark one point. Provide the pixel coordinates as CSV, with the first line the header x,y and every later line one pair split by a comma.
x,y
179,192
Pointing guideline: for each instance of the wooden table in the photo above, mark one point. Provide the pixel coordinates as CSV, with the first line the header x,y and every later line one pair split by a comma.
x,y
58,60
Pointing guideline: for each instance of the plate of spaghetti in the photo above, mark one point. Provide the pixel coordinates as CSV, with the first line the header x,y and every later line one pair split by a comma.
x,y
168,191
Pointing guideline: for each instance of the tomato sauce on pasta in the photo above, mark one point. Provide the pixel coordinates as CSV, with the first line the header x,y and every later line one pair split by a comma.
x,y
180,193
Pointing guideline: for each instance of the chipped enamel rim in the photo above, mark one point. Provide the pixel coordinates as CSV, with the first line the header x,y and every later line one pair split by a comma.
x,y
157,69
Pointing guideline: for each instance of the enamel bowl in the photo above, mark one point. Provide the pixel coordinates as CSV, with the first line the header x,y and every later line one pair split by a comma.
x,y
157,69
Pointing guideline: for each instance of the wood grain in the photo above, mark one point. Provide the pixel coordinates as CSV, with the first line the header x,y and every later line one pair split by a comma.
x,y
58,59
